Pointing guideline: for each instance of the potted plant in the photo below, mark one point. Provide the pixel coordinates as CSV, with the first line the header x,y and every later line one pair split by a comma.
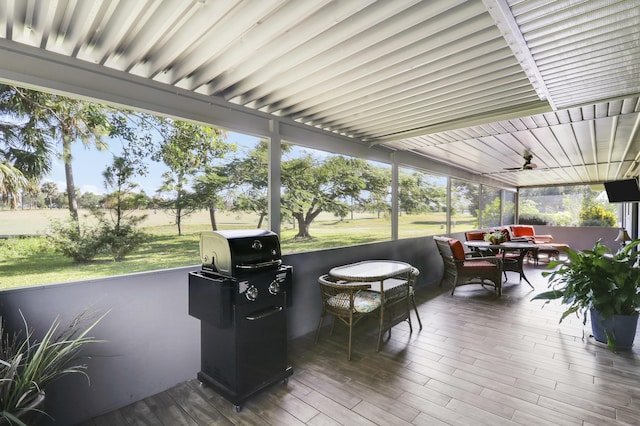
x,y
495,237
28,365
604,283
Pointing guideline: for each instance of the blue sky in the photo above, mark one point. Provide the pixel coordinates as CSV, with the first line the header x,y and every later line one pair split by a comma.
x,y
88,165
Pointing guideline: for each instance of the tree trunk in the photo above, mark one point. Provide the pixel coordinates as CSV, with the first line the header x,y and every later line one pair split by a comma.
x,y
212,216
351,208
68,173
179,220
118,210
260,219
303,226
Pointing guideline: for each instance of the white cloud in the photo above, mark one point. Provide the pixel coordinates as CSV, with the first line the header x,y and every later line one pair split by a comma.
x,y
91,188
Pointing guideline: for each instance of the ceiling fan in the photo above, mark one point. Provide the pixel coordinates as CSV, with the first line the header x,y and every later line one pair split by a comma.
x,y
528,165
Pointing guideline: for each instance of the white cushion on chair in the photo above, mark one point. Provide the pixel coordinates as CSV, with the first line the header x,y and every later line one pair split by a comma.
x,y
363,302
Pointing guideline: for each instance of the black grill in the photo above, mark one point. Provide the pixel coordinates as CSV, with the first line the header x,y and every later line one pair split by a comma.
x,y
240,296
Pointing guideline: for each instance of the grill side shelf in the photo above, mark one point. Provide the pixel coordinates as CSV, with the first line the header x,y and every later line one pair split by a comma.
x,y
211,299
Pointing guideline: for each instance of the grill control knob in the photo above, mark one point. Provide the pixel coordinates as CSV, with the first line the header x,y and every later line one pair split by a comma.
x,y
274,288
251,293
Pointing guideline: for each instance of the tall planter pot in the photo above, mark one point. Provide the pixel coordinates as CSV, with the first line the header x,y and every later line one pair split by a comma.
x,y
621,329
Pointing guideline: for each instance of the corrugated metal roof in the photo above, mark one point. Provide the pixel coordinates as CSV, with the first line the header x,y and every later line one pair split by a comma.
x,y
470,83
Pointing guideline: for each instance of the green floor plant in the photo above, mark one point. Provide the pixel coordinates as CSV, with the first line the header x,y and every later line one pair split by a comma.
x,y
596,279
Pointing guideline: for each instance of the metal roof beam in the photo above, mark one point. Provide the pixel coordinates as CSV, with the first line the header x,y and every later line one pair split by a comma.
x,y
506,23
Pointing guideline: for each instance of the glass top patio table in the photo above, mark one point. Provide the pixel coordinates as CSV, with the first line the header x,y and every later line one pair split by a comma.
x,y
513,245
370,271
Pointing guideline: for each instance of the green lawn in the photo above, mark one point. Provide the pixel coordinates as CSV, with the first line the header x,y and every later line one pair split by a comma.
x,y
29,261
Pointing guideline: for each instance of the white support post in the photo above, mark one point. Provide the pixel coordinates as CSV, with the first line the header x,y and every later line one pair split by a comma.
x,y
275,153
394,196
449,198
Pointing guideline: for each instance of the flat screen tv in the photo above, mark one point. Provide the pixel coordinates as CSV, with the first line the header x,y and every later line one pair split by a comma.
x,y
622,191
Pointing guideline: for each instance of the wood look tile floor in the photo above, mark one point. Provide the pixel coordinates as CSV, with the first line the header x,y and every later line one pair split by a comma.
x,y
479,359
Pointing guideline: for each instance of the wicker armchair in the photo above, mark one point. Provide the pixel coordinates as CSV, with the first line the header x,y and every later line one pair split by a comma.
x,y
348,302
413,277
460,269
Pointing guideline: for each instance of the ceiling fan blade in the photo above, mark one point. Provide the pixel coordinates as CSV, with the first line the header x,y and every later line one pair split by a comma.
x,y
512,168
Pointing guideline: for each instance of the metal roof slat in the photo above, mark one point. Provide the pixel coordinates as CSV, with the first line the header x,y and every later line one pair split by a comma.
x,y
155,24
464,109
375,91
591,52
188,50
73,26
59,18
92,47
588,65
44,22
337,27
251,43
110,44
420,90
533,10
309,26
574,18
412,122
330,64
630,105
387,59
445,97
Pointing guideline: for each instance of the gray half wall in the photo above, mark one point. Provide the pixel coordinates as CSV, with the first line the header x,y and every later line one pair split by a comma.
x,y
152,343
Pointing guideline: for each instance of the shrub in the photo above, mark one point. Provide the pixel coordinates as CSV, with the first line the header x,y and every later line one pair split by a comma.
x,y
84,243
119,241
563,219
81,244
597,216
531,220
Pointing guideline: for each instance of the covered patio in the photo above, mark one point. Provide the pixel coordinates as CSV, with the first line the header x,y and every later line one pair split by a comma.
x,y
456,88
478,360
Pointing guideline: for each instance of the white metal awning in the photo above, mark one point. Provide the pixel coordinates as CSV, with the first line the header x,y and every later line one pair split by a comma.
x,y
472,84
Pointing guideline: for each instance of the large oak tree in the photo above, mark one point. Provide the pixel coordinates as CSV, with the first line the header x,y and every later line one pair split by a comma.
x,y
313,185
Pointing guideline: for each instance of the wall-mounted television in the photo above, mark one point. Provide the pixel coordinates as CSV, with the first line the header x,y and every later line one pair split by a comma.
x,y
622,191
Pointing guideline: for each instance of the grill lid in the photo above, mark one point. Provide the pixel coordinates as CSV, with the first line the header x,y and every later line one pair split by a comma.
x,y
236,251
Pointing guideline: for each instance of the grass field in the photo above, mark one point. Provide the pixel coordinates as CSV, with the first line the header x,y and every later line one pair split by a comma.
x,y
29,261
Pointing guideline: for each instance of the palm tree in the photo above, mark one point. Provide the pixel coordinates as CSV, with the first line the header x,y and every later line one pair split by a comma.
x,y
12,181
25,154
50,191
61,120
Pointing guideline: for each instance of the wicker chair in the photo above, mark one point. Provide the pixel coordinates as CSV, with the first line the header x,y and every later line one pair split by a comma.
x,y
413,277
462,270
348,302
478,236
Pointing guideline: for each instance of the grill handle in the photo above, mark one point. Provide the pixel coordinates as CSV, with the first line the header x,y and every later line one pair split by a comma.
x,y
260,265
264,313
